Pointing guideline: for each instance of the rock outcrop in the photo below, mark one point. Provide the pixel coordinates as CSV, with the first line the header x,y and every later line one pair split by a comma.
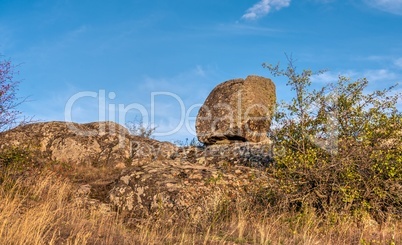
x,y
237,110
98,143
114,170
182,187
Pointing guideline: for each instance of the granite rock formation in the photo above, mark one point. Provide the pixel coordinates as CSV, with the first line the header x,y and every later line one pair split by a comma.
x,y
97,143
143,177
238,110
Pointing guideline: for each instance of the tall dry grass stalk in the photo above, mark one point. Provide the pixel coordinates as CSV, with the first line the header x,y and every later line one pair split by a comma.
x,y
44,210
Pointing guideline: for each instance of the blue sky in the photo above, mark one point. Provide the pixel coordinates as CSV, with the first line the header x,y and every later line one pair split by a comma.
x,y
165,57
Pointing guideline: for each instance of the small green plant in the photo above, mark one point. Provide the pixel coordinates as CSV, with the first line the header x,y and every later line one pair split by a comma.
x,y
138,128
16,159
193,143
16,163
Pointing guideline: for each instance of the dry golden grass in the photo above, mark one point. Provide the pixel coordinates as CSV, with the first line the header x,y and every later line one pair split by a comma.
x,y
43,209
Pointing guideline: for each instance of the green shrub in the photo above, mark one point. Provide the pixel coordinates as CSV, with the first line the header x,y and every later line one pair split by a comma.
x,y
18,162
338,149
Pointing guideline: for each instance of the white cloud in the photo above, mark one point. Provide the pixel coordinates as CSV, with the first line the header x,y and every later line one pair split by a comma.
x,y
200,71
180,83
263,7
240,28
390,6
331,77
377,58
7,41
398,62
380,75
373,75
326,77
323,1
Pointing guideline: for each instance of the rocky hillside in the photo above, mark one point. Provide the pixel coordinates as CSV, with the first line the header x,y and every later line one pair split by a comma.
x,y
145,175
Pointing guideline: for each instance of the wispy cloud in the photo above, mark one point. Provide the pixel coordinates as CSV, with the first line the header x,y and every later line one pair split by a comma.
x,y
332,77
372,75
242,29
380,75
326,77
390,6
264,7
323,1
390,61
398,63
180,83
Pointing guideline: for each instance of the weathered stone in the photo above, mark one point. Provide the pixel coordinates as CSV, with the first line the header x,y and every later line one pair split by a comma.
x,y
190,189
98,143
237,110
256,155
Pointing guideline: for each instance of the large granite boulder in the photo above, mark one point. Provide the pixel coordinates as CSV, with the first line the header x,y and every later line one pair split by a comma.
x,y
237,110
97,143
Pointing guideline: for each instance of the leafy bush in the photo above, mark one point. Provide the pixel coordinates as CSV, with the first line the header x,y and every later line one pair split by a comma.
x,y
17,162
338,149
